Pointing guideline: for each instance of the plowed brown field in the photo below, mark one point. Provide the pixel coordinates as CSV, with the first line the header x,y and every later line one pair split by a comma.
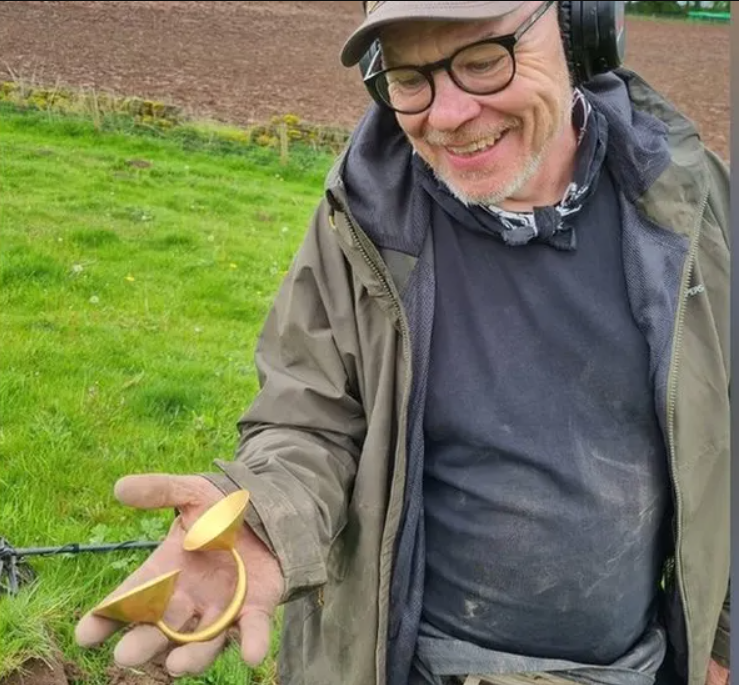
x,y
240,62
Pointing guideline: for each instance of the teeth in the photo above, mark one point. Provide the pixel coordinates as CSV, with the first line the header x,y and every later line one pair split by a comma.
x,y
477,145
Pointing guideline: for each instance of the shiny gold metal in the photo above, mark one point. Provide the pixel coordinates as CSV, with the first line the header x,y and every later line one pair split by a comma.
x,y
215,530
144,604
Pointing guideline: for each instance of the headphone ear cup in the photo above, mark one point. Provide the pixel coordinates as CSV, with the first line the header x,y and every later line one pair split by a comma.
x,y
593,37
565,25
611,36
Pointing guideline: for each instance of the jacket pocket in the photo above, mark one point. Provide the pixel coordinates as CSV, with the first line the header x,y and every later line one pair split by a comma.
x,y
312,602
336,562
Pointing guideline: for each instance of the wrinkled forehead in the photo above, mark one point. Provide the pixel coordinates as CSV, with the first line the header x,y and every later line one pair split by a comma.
x,y
427,40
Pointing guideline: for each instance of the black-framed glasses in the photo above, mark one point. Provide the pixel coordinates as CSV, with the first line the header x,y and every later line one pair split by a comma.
x,y
482,68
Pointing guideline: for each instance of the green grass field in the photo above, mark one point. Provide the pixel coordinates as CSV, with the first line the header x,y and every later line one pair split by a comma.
x,y
135,273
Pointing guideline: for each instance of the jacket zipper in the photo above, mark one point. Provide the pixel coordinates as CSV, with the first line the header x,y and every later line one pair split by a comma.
x,y
358,240
671,401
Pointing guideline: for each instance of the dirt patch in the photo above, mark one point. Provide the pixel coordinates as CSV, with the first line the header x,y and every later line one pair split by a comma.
x,y
151,674
38,672
60,672
244,62
56,671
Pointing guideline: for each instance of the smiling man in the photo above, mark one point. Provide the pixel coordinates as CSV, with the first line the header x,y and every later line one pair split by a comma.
x,y
491,441
543,518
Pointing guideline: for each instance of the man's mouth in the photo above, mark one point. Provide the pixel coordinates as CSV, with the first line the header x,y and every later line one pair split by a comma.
x,y
476,146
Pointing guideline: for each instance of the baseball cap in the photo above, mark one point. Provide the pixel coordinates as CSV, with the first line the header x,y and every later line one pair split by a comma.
x,y
381,13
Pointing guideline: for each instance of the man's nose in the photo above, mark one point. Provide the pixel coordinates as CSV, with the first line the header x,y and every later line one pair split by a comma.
x,y
452,107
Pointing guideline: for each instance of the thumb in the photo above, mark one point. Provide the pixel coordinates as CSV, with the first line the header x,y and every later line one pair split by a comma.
x,y
159,490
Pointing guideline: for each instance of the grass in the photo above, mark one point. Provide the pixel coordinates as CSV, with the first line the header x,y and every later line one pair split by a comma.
x,y
135,273
27,625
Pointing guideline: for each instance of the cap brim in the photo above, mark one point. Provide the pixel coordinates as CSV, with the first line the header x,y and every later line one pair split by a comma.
x,y
393,12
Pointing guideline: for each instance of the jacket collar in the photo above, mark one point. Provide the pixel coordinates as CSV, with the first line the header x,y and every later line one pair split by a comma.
x,y
654,153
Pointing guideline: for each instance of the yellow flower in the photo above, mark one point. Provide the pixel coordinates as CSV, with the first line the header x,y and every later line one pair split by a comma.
x,y
233,266
130,278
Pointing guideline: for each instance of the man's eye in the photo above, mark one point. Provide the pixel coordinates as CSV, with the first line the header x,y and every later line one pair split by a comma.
x,y
483,66
406,80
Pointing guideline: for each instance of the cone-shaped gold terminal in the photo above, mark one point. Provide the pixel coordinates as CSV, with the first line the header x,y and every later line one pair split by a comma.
x,y
144,604
216,528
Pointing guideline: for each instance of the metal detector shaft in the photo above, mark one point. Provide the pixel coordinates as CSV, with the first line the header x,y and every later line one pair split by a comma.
x,y
13,570
74,548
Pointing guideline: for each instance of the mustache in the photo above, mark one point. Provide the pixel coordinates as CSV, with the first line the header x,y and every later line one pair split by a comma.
x,y
461,138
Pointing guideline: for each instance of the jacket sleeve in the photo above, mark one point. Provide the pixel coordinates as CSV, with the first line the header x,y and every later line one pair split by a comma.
x,y
301,438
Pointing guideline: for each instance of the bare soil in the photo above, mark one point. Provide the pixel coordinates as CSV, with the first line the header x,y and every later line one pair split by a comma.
x,y
243,62
38,672
57,671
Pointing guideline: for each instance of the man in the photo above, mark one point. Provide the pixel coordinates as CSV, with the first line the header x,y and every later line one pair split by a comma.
x,y
491,440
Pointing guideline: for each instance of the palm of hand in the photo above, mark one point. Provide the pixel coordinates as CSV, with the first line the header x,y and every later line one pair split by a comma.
x,y
203,589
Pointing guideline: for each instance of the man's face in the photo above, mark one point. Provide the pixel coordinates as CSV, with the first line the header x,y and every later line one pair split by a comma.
x,y
486,148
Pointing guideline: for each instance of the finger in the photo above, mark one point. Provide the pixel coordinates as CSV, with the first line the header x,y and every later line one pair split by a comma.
x,y
156,490
93,630
255,626
196,657
140,645
144,642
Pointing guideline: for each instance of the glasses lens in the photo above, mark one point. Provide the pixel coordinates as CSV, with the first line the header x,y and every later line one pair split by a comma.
x,y
483,68
405,90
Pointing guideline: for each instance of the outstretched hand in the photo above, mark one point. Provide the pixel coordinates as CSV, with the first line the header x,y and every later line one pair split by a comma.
x,y
204,587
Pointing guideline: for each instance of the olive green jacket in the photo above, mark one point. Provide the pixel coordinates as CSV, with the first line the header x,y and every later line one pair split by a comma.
x,y
323,447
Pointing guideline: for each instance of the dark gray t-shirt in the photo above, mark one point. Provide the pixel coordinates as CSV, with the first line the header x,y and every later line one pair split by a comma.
x,y
546,482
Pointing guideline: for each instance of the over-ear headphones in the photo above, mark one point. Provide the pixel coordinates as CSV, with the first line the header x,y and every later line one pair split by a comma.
x,y
593,34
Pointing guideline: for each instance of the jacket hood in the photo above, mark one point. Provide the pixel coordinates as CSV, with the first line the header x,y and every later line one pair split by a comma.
x,y
645,134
